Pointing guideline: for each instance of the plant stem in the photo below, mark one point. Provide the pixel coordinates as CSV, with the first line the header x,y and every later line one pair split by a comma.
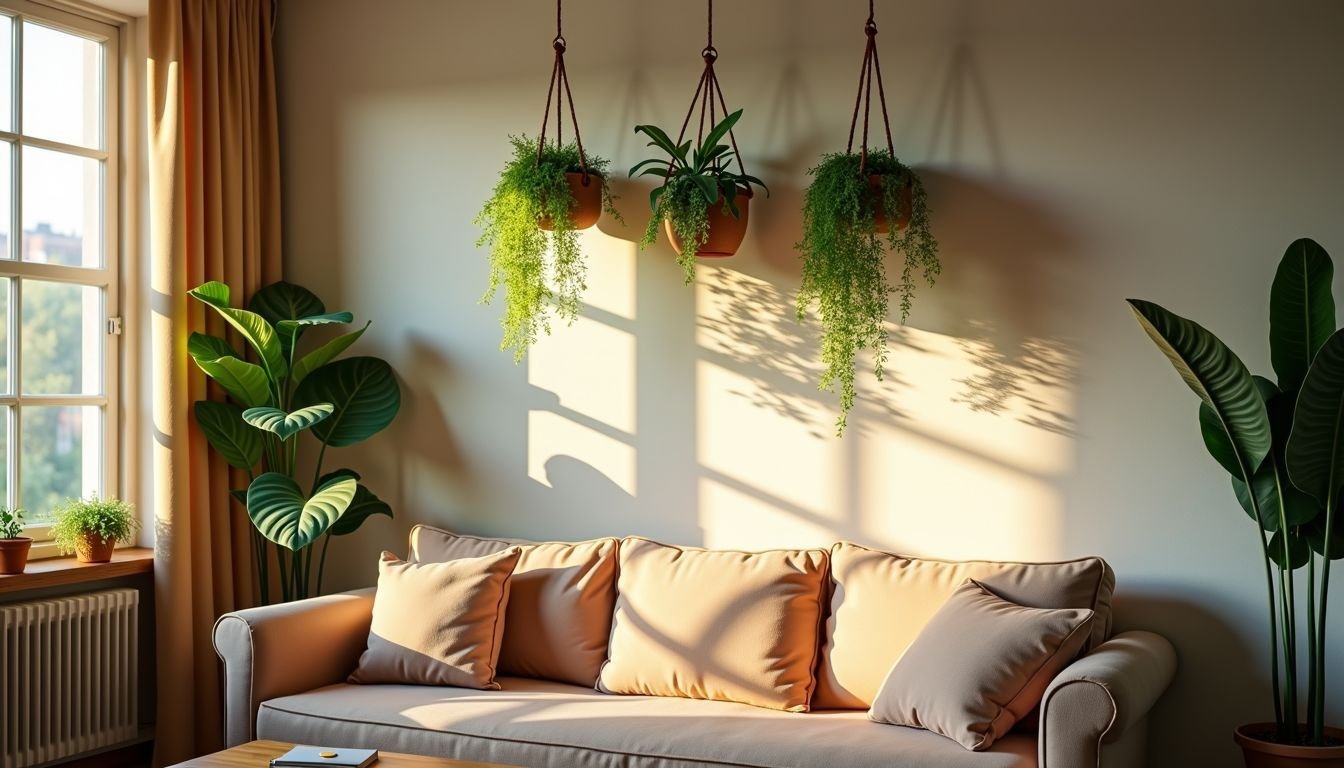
x,y
286,593
1273,628
322,561
317,469
1318,728
1289,637
1315,718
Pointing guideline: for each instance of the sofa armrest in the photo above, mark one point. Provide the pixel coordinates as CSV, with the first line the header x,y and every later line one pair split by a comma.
x,y
278,650
1101,699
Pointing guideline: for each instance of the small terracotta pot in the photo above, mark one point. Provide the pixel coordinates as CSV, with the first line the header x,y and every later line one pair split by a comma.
x,y
93,548
14,555
587,207
726,231
905,201
1260,750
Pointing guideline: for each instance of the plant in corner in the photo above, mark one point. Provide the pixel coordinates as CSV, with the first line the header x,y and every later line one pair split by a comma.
x,y
852,202
14,545
92,527
274,401
1282,442
544,196
703,202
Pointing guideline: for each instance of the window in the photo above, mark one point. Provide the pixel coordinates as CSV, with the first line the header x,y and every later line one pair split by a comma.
x,y
58,259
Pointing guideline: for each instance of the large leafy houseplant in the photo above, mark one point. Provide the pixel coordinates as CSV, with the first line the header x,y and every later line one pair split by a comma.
x,y
275,398
851,202
544,196
697,182
1282,442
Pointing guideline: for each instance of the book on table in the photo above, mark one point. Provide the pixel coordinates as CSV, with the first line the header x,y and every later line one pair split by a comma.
x,y
325,757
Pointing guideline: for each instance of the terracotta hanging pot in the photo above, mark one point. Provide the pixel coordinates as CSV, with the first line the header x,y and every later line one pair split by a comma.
x,y
14,555
726,231
587,205
93,548
905,203
1260,751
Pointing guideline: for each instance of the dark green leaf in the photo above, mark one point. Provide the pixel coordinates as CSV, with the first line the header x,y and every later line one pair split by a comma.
x,y
286,425
1315,535
281,513
719,131
203,346
285,301
1297,554
324,354
1217,376
654,194
364,506
224,428
245,381
252,326
1301,311
287,327
708,188
658,137
365,394
1315,453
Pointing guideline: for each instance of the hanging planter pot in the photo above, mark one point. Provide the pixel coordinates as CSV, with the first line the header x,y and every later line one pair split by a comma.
x,y
546,194
724,231
702,202
860,205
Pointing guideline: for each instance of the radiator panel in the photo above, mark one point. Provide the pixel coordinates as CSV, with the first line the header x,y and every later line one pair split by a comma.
x,y
68,675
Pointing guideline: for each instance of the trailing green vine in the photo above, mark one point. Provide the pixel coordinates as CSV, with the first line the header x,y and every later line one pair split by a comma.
x,y
528,191
844,261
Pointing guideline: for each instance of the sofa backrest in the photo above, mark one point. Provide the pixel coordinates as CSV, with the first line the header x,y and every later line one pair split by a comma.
x,y
880,601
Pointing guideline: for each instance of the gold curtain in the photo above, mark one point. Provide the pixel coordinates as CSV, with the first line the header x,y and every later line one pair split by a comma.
x,y
214,215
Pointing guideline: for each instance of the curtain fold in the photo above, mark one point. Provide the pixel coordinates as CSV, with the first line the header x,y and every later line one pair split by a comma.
x,y
214,215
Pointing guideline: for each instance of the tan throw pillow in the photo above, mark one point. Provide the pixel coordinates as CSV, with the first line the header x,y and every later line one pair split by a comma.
x,y
725,626
437,623
980,665
560,601
879,603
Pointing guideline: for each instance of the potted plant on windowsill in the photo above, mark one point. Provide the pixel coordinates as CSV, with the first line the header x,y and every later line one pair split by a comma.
x,y
849,206
531,223
1282,442
92,527
14,545
701,201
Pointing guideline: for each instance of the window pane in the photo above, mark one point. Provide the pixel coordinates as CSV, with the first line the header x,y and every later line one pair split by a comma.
x,y
62,208
6,213
62,346
6,73
60,456
4,455
62,86
5,386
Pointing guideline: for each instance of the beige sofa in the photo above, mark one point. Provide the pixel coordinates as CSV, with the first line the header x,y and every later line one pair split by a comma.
x,y
286,668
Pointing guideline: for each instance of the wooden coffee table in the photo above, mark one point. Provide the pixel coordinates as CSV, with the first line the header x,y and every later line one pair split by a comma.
x,y
258,754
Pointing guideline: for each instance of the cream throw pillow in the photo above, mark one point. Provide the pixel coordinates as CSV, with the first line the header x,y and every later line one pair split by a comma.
x,y
560,601
979,666
719,625
437,623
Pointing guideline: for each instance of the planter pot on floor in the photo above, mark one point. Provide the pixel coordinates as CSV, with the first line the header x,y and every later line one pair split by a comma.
x,y
1261,751
587,207
904,205
94,549
14,555
726,231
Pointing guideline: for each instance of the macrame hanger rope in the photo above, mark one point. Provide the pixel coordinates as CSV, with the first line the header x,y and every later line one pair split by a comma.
x,y
871,68
709,94
559,82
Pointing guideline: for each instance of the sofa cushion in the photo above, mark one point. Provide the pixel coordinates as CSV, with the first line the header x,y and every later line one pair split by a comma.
x,y
980,665
880,602
560,601
544,724
437,623
715,624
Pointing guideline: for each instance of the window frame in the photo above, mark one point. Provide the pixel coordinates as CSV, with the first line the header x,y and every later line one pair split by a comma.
x,y
106,276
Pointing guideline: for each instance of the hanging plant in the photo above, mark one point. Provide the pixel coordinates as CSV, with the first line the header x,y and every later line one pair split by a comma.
x,y
858,206
702,204
546,193
531,223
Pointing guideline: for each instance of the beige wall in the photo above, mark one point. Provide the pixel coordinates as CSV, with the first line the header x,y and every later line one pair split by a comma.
x,y
1075,154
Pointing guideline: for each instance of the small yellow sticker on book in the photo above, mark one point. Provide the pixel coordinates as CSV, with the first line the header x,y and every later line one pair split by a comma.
x,y
327,755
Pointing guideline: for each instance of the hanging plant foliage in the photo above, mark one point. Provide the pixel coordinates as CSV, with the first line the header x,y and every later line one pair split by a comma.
x,y
531,224
546,193
858,206
701,202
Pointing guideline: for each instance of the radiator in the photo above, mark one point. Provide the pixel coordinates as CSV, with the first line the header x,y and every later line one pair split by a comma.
x,y
69,681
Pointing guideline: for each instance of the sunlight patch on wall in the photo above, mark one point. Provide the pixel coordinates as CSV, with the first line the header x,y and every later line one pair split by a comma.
x,y
611,273
550,435
734,516
589,368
